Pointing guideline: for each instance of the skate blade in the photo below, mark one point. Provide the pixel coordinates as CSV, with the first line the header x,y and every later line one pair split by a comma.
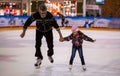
x,y
70,69
37,67
84,69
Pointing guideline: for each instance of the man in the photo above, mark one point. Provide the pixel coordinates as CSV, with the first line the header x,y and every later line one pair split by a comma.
x,y
89,24
63,19
44,23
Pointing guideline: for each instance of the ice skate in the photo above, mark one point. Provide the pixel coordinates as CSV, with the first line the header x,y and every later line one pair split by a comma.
x,y
70,67
51,59
84,67
38,63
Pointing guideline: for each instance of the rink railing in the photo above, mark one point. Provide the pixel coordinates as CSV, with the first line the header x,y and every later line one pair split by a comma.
x,y
86,22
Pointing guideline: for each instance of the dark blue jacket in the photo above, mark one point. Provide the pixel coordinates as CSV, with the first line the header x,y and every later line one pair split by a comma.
x,y
42,24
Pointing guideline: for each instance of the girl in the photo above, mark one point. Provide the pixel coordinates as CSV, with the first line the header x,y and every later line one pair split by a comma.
x,y
77,38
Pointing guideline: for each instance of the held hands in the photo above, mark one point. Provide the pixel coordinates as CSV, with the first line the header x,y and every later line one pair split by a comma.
x,y
61,39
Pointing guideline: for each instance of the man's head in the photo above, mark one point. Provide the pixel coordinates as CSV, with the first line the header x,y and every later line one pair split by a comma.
x,y
43,10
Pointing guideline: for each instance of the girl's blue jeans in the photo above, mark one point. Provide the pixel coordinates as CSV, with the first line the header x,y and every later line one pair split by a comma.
x,y
80,51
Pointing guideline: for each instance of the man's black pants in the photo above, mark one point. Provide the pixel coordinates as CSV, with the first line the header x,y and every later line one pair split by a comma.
x,y
49,39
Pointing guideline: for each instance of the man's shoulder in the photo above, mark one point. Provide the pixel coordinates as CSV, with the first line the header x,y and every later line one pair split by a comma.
x,y
48,13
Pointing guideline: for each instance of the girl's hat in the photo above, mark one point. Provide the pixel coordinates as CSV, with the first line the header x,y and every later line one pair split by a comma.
x,y
74,28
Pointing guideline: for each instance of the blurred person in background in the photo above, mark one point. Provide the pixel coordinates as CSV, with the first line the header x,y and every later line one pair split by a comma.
x,y
63,20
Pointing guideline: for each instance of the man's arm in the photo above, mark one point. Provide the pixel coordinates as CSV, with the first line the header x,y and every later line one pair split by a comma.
x,y
60,34
28,22
23,33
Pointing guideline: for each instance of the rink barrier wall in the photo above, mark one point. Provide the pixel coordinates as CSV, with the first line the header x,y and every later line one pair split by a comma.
x,y
85,22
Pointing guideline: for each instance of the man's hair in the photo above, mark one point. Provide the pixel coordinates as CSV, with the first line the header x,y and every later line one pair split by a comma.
x,y
43,7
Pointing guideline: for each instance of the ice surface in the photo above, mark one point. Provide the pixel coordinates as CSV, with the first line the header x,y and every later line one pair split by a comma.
x,y
17,55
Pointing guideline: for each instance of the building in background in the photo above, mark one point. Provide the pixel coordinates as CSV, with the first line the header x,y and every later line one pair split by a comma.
x,y
111,8
66,7
27,7
10,7
93,7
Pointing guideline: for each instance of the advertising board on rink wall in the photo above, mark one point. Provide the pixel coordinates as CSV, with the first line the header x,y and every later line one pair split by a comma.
x,y
85,22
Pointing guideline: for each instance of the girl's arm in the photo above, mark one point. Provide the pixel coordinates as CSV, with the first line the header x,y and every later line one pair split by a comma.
x,y
68,38
85,37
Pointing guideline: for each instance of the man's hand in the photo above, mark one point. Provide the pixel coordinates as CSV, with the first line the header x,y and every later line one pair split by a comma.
x,y
61,39
94,40
22,34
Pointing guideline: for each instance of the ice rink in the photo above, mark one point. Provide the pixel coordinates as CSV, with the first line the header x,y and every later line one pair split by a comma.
x,y
17,55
